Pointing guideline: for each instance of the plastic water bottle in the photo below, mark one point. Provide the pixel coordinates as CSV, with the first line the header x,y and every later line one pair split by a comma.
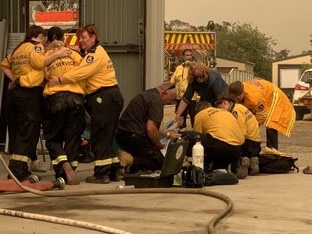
x,y
198,154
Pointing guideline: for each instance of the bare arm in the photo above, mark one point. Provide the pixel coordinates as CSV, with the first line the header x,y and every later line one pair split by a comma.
x,y
8,73
182,106
170,134
153,134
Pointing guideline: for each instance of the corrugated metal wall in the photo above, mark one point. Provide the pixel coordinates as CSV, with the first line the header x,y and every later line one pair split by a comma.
x,y
121,27
14,12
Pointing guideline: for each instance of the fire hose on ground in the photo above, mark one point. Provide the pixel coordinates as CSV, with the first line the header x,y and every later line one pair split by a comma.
x,y
211,227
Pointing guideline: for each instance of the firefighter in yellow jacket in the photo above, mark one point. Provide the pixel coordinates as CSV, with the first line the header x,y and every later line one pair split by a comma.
x,y
104,102
63,121
269,104
25,68
180,80
221,137
251,131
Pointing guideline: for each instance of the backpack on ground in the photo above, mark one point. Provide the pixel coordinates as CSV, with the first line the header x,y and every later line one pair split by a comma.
x,y
220,178
271,163
193,177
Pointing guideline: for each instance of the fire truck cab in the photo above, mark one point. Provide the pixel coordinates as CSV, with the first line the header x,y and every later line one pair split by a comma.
x,y
203,45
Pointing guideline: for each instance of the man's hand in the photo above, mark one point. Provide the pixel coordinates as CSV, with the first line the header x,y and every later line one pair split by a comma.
x,y
179,120
173,135
53,80
14,84
63,52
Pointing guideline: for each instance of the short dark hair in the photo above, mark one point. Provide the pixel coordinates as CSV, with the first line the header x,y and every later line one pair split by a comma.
x,y
91,29
34,31
225,96
55,33
187,50
202,105
236,88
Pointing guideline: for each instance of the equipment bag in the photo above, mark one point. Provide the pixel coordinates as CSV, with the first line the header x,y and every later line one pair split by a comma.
x,y
220,178
193,177
271,163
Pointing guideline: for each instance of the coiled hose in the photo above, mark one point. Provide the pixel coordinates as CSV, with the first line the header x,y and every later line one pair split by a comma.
x,y
211,227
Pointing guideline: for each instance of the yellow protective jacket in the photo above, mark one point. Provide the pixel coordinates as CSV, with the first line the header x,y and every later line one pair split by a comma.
x,y
247,122
27,63
220,124
96,69
270,105
179,79
58,68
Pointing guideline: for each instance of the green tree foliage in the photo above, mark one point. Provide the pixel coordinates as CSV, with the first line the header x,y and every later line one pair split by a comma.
x,y
282,54
244,43
177,25
240,42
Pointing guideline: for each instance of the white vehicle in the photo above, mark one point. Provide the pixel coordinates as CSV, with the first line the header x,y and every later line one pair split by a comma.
x,y
302,89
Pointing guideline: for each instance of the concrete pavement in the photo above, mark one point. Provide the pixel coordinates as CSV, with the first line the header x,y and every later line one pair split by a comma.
x,y
262,204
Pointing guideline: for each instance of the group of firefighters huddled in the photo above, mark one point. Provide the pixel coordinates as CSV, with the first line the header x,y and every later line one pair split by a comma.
x,y
52,87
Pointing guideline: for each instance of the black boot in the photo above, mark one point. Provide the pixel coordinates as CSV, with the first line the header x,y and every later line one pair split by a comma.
x,y
19,170
117,172
100,176
98,179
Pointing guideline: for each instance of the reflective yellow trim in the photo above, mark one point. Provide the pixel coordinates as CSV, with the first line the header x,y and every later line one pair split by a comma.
x,y
291,125
103,162
274,101
115,160
19,157
74,163
59,159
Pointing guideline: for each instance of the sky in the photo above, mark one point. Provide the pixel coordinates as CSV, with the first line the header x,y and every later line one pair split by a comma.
x,y
289,23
